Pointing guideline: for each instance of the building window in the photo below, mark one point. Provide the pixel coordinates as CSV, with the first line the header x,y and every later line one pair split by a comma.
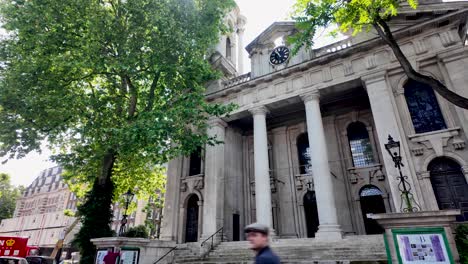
x,y
303,149
360,145
423,107
195,162
228,48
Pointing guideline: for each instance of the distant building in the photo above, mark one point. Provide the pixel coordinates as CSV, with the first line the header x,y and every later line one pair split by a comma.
x,y
39,213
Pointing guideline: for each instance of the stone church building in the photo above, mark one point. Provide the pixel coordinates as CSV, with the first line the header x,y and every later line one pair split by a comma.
x,y
304,152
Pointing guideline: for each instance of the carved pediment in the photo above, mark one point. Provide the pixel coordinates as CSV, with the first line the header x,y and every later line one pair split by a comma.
x,y
266,38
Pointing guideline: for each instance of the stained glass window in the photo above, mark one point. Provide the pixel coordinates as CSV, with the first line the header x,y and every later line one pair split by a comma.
x,y
370,190
195,162
305,166
423,107
360,145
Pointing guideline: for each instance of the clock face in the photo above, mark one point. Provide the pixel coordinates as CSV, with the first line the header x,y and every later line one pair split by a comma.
x,y
279,55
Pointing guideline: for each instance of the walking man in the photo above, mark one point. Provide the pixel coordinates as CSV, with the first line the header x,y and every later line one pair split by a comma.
x,y
257,235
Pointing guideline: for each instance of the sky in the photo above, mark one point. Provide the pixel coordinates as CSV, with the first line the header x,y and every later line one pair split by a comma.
x,y
260,14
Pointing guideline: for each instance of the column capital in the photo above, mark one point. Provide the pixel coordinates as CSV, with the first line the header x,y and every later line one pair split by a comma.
x,y
259,110
374,77
216,121
310,96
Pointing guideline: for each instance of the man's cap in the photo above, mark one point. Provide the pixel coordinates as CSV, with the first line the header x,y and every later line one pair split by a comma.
x,y
257,227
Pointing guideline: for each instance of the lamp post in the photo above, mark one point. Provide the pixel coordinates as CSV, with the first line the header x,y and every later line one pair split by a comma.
x,y
393,148
128,199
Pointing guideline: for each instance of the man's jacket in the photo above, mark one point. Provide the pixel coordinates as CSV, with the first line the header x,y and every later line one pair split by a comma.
x,y
266,256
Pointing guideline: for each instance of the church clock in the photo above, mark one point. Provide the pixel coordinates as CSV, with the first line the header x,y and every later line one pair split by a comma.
x,y
279,55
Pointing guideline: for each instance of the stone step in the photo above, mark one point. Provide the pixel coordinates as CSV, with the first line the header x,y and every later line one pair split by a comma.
x,y
350,250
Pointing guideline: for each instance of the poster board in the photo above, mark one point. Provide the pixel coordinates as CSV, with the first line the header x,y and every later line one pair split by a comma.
x,y
100,254
422,246
129,256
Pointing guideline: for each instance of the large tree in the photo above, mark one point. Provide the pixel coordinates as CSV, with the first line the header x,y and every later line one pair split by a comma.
x,y
115,87
359,15
8,196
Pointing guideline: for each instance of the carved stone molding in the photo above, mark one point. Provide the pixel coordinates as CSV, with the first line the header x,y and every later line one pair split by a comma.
x,y
309,96
423,175
348,68
302,182
366,175
192,183
465,169
458,143
370,62
447,38
417,151
183,187
259,110
438,140
326,74
420,47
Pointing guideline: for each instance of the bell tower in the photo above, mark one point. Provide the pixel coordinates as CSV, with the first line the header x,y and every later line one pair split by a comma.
x,y
228,53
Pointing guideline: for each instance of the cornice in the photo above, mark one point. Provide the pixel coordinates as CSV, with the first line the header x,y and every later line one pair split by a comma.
x,y
362,46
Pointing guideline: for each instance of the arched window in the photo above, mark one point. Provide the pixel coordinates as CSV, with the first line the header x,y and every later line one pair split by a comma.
x,y
303,149
423,107
228,48
360,145
195,162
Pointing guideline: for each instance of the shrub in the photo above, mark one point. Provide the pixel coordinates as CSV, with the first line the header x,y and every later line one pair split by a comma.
x,y
137,231
461,239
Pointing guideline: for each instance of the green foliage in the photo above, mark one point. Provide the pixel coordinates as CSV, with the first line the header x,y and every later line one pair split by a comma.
x,y
137,231
8,196
355,15
461,239
115,87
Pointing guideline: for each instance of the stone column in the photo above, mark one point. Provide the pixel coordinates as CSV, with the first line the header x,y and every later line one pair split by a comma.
x,y
240,51
262,174
329,229
386,123
213,207
281,165
170,221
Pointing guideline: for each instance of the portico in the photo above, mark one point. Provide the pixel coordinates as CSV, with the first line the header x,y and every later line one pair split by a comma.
x,y
303,151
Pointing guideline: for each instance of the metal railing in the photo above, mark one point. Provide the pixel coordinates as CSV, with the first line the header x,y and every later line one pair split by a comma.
x,y
212,238
167,253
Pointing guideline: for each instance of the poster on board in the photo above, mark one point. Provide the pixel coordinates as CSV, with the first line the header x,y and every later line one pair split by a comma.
x,y
129,256
101,253
422,246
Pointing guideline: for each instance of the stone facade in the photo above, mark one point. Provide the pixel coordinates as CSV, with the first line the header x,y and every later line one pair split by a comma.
x,y
328,93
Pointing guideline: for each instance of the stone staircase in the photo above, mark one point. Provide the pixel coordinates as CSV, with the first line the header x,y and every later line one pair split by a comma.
x,y
350,250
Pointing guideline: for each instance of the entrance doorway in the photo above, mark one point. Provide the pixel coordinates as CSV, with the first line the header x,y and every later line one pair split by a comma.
x,y
191,226
371,203
450,187
311,213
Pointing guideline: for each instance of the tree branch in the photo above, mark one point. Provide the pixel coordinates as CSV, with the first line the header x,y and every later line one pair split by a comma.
x,y
154,84
386,34
133,98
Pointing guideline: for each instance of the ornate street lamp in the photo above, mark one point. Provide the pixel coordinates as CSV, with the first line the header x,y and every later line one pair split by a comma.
x,y
393,148
128,196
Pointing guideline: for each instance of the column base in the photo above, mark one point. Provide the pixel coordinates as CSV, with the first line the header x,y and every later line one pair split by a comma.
x,y
329,233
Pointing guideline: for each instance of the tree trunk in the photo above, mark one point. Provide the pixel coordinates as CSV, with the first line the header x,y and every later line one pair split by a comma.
x,y
96,213
387,36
